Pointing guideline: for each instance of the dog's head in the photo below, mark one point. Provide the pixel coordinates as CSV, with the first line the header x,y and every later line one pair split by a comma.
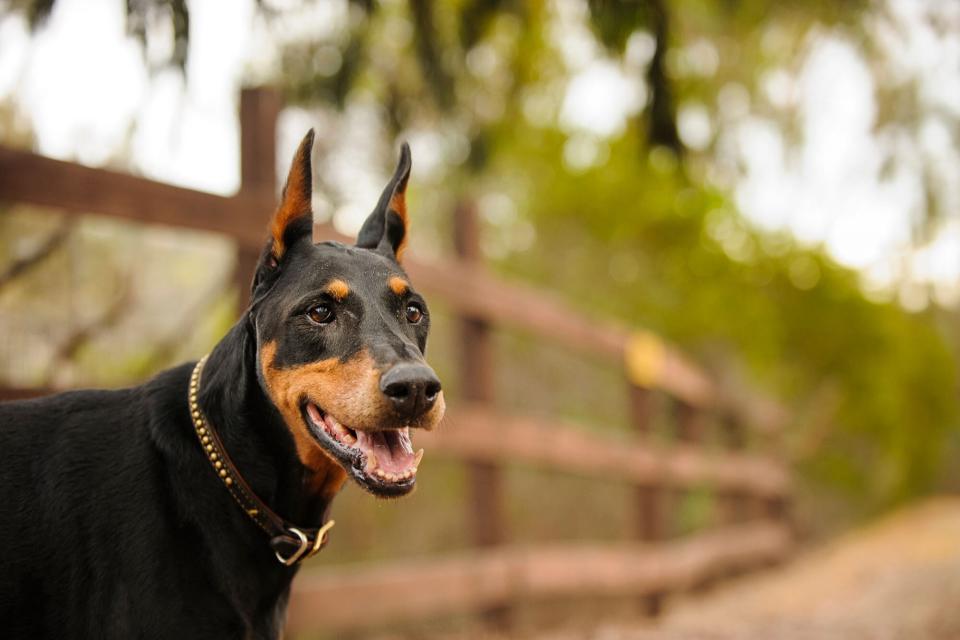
x,y
341,335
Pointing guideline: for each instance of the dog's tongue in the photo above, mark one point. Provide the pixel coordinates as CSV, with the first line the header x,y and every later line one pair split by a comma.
x,y
391,451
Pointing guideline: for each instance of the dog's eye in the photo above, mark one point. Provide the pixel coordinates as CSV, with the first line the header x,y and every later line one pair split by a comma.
x,y
414,313
321,314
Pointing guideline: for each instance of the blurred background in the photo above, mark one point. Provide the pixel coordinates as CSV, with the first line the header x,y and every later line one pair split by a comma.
x,y
772,189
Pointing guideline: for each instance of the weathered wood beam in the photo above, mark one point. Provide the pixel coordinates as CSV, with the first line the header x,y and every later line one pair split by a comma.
x,y
340,598
29,178
480,434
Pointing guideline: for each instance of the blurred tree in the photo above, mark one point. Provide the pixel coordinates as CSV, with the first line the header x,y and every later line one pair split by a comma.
x,y
140,13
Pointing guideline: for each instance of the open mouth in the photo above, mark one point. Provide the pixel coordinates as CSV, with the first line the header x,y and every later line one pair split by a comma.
x,y
382,462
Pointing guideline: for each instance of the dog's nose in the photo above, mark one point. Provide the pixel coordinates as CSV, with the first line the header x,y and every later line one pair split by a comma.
x,y
412,388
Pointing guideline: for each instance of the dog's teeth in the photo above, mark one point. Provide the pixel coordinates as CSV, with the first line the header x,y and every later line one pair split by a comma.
x,y
349,439
417,459
405,440
371,463
381,473
337,427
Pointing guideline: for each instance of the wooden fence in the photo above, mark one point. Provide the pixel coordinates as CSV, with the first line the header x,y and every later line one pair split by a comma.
x,y
751,490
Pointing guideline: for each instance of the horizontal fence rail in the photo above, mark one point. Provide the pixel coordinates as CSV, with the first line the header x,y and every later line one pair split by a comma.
x,y
479,434
411,590
29,178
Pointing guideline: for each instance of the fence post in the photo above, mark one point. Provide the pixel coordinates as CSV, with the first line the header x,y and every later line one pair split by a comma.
x,y
733,504
776,508
486,520
650,498
688,429
643,362
259,110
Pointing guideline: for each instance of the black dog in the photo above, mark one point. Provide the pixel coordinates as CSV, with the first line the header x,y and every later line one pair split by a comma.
x,y
152,512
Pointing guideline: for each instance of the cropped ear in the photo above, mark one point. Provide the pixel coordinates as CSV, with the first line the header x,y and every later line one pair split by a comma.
x,y
294,216
385,230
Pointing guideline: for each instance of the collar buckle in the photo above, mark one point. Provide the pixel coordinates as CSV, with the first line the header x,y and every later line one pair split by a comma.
x,y
296,555
305,550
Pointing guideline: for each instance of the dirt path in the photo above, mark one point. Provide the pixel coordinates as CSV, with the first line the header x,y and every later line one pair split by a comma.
x,y
898,579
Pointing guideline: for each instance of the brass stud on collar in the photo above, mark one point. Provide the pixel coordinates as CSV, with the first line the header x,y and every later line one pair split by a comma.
x,y
198,424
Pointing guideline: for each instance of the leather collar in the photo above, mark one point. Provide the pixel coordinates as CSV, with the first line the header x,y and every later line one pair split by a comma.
x,y
290,543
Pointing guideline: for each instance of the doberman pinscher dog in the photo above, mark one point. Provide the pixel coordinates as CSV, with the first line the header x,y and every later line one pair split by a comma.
x,y
182,508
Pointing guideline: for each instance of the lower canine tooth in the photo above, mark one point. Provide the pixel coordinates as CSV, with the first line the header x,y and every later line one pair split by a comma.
x,y
418,458
371,462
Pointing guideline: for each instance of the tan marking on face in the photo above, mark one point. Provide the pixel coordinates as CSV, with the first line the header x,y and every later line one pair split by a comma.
x,y
330,384
431,419
349,391
338,289
398,285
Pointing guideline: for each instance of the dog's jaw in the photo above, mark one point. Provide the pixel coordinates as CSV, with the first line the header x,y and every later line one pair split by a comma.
x,y
382,461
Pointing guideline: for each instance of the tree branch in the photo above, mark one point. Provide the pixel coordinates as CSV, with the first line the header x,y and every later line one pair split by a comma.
x,y
23,264
662,117
83,334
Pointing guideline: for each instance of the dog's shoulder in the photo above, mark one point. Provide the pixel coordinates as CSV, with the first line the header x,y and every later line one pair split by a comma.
x,y
88,432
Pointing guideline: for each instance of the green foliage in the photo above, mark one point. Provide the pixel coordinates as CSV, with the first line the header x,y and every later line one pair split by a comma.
x,y
643,243
640,234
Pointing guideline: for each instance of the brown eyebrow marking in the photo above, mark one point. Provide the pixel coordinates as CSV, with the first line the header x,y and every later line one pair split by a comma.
x,y
338,289
398,285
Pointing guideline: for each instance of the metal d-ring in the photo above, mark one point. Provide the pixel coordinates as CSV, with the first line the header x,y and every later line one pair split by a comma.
x,y
296,555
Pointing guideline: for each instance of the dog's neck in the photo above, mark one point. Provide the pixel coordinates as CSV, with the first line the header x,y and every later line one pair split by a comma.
x,y
253,431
